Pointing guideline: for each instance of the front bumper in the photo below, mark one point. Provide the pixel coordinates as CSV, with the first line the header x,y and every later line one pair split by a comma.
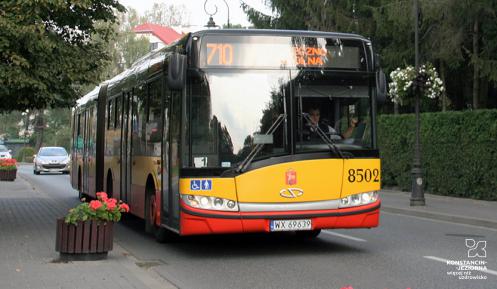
x,y
59,168
198,221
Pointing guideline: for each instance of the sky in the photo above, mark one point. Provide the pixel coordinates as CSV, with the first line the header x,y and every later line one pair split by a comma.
x,y
197,15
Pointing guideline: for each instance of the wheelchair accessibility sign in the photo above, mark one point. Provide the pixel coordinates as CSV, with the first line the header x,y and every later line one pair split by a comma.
x,y
200,185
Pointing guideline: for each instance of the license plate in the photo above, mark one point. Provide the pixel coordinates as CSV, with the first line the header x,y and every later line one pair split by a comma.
x,y
290,225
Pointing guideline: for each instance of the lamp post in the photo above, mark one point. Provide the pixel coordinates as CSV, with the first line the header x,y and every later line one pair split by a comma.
x,y
417,194
227,8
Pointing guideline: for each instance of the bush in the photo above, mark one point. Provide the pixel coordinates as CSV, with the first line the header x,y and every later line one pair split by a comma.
x,y
458,152
25,154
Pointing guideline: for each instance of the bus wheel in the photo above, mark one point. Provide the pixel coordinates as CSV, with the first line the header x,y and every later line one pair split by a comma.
x,y
81,195
308,234
150,211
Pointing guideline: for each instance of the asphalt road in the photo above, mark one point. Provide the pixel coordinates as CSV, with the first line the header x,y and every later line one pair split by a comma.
x,y
404,252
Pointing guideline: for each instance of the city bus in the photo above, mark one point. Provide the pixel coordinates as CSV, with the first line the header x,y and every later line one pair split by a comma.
x,y
237,131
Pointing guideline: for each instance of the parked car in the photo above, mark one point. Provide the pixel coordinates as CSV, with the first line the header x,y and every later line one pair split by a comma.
x,y
51,159
5,152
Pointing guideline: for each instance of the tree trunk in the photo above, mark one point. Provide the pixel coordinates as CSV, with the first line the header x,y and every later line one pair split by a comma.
x,y
476,49
39,127
444,93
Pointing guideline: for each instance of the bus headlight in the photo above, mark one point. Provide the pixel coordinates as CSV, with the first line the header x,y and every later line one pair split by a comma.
x,y
359,199
210,203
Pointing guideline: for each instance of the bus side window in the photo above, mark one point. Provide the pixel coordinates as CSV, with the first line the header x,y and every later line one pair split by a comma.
x,y
153,130
142,102
117,117
110,114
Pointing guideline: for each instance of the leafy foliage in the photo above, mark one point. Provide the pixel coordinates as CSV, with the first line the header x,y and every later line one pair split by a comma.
x,y
458,152
166,14
25,153
50,48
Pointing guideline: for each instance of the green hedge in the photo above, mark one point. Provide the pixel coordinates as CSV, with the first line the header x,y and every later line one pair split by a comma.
x,y
458,152
25,154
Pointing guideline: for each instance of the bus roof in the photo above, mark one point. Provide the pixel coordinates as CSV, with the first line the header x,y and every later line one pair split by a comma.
x,y
281,33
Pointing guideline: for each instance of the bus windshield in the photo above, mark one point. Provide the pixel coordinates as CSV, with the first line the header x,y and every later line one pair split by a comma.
x,y
232,112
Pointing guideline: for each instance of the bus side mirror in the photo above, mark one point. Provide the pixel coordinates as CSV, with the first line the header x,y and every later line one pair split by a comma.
x,y
176,72
381,86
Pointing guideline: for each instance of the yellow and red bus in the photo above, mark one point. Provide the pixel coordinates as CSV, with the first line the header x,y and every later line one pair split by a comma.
x,y
235,131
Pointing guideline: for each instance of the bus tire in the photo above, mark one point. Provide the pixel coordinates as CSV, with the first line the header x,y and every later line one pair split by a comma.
x,y
308,234
150,208
81,195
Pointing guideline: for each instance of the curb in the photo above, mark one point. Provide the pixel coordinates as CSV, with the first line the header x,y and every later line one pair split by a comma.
x,y
442,217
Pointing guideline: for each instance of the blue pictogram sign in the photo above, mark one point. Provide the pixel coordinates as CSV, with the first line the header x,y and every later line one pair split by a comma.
x,y
200,185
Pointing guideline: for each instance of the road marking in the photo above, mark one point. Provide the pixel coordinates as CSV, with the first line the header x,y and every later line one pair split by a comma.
x,y
343,236
439,221
488,271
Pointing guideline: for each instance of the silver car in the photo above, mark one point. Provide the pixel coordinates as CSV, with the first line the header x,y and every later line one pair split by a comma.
x,y
5,152
51,159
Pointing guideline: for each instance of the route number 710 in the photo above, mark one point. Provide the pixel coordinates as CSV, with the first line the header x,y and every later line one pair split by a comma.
x,y
224,53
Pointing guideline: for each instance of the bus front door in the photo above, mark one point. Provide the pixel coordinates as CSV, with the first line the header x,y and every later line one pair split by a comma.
x,y
86,152
125,170
170,158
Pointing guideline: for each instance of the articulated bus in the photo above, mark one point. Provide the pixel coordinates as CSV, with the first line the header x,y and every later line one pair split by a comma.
x,y
236,131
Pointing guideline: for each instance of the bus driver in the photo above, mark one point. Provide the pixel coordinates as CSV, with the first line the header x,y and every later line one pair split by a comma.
x,y
310,129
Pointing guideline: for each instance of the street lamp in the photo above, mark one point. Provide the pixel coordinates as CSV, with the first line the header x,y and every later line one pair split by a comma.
x,y
417,194
211,23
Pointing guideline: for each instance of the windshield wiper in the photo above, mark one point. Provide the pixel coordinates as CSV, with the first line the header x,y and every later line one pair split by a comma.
x,y
246,162
323,136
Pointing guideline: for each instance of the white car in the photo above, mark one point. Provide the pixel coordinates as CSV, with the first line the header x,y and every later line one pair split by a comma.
x,y
5,152
51,160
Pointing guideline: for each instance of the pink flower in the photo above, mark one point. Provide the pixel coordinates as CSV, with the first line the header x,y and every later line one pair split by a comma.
x,y
94,205
111,204
102,196
124,207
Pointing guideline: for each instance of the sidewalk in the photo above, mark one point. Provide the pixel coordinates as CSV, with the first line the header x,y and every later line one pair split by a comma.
x,y
27,248
457,210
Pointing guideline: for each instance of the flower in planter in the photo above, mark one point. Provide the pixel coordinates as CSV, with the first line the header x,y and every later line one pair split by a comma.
x,y
8,165
101,209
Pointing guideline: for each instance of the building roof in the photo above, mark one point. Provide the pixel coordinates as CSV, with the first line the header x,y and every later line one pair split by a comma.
x,y
165,34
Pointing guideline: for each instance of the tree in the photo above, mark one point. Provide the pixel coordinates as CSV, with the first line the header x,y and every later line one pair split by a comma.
x,y
126,47
48,49
9,125
166,14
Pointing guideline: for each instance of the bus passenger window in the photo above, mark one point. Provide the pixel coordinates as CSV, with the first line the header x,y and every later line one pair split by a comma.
x,y
110,114
117,117
153,132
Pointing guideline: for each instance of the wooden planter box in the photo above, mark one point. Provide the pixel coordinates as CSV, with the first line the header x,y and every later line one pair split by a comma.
x,y
90,240
8,175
